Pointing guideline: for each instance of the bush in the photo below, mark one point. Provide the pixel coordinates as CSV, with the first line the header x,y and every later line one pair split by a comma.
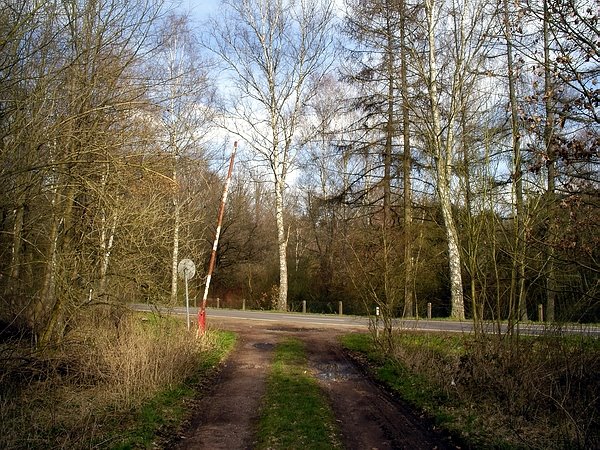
x,y
71,396
498,391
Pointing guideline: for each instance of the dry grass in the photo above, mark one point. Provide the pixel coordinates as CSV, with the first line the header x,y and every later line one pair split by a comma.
x,y
539,392
72,395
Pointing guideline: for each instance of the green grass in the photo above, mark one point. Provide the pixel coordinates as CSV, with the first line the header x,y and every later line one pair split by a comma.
x,y
295,414
167,409
412,387
494,394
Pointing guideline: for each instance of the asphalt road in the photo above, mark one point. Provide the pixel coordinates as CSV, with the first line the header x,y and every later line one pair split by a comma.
x,y
361,323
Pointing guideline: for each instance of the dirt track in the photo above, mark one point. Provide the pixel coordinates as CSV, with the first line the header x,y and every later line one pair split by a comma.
x,y
367,416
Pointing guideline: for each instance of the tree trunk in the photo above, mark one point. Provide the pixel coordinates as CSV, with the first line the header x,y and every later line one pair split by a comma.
x,y
282,240
106,244
47,292
471,245
517,306
390,128
409,300
176,223
50,301
15,257
551,168
442,154
454,260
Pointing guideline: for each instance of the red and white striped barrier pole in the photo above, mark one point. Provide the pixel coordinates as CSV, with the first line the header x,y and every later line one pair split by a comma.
x,y
213,254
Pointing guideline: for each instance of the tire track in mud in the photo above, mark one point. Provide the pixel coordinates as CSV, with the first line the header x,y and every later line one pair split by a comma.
x,y
367,416
228,413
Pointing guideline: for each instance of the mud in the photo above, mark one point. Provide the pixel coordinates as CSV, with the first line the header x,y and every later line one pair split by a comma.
x,y
368,417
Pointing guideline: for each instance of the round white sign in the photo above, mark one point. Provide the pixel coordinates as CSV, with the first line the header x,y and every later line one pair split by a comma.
x,y
186,269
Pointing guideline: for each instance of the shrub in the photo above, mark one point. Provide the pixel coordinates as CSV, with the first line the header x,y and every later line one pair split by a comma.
x,y
70,396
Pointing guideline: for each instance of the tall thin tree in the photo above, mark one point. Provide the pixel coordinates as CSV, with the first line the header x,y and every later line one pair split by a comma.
x,y
275,53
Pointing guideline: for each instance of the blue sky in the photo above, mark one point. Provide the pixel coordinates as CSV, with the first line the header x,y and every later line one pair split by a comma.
x,y
199,9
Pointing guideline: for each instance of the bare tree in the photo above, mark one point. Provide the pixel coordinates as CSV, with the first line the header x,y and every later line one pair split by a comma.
x,y
441,148
67,78
275,54
459,29
183,96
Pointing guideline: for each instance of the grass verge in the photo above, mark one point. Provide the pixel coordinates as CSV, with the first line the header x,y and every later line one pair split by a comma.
x,y
296,414
165,411
492,392
109,384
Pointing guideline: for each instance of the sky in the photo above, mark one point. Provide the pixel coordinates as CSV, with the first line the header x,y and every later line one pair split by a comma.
x,y
200,10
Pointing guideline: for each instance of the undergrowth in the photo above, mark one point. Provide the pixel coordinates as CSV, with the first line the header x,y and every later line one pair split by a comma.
x,y
109,384
494,392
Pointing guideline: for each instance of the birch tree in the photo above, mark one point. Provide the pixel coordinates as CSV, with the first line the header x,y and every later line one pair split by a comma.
x,y
275,53
441,148
183,98
457,29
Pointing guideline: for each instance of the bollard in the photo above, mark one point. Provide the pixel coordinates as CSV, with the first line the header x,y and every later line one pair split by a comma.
x,y
243,304
541,312
304,306
429,311
340,309
218,302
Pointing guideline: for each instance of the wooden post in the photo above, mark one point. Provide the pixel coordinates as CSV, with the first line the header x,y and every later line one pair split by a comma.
x,y
304,306
243,304
218,302
429,311
340,309
541,312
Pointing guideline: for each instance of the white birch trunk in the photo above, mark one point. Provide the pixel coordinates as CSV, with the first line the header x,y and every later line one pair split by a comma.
x,y
282,246
15,259
176,220
442,154
106,244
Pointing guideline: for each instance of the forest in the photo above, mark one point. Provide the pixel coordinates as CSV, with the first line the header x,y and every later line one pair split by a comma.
x,y
393,153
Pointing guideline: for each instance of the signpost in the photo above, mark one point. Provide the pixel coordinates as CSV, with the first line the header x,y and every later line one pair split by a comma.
x,y
186,270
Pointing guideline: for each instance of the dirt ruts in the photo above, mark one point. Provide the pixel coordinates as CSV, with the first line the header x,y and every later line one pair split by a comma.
x,y
226,416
